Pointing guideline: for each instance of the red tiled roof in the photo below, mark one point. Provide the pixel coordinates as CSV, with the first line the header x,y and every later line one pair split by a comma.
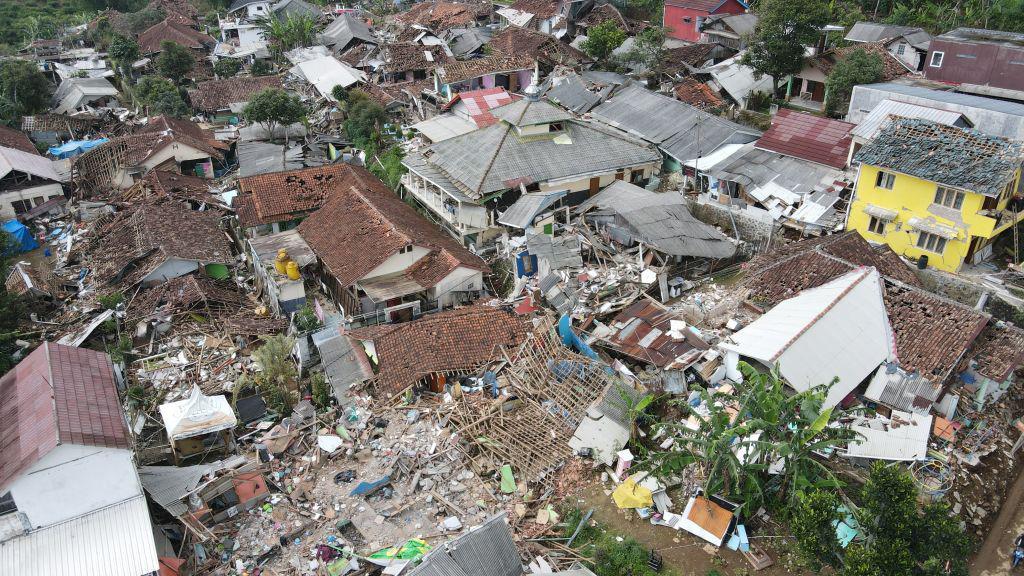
x,y
164,183
708,6
452,341
170,30
409,56
186,132
480,102
782,273
57,395
808,137
280,196
11,138
520,42
697,94
440,16
217,95
892,68
363,223
539,8
931,332
998,351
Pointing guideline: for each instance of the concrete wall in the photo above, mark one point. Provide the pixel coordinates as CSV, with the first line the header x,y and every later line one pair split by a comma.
x,y
755,226
45,191
460,279
73,480
951,286
397,262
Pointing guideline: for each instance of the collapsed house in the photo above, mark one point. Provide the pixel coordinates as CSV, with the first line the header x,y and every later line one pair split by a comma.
x,y
27,180
229,95
144,244
78,94
163,143
199,426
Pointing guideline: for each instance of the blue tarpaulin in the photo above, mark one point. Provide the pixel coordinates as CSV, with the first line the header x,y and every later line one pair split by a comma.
x,y
73,148
23,240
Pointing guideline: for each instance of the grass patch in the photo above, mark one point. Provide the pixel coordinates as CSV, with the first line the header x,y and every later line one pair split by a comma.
x,y
609,554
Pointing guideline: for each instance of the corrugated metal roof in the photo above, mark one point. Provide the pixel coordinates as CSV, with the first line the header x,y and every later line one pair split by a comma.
x,y
872,123
167,485
444,126
739,80
488,549
326,73
755,168
874,32
527,207
560,252
264,157
34,164
808,137
902,437
114,541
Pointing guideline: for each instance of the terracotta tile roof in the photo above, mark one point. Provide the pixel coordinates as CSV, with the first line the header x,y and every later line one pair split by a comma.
x,y
539,8
163,129
57,395
480,102
605,12
279,196
808,137
461,70
931,332
697,94
892,68
454,341
439,16
16,139
693,54
151,38
166,184
149,233
782,273
409,56
516,41
998,351
362,212
184,10
217,95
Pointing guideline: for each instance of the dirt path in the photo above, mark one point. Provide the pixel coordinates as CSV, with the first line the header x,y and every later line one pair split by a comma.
x,y
681,551
993,559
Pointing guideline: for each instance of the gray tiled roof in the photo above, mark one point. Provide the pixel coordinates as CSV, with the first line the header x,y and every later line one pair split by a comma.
x,y
526,112
344,29
960,157
495,158
680,130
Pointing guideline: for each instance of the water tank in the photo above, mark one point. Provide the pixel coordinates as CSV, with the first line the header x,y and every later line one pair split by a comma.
x,y
281,262
293,270
922,262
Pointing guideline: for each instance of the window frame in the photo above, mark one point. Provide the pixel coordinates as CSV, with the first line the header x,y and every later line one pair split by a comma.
x,y
944,194
901,49
876,225
25,205
931,59
930,242
884,178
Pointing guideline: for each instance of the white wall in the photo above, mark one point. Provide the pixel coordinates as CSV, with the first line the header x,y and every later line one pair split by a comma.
x,y
257,10
461,278
397,262
180,153
582,184
47,191
73,480
171,268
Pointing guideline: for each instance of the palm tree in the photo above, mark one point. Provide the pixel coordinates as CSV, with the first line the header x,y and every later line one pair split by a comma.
x,y
289,33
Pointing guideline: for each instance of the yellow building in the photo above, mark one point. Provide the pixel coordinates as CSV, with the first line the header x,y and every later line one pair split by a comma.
x,y
938,192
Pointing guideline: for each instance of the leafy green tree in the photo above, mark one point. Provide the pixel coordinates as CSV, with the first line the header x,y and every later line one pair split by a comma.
x,y
174,61
649,50
814,526
339,93
889,503
227,67
261,68
938,541
277,377
23,90
386,165
161,96
365,120
170,104
274,107
602,39
12,309
784,27
858,67
123,51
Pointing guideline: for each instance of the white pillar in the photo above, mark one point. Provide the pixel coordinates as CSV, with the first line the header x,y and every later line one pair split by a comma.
x,y
732,366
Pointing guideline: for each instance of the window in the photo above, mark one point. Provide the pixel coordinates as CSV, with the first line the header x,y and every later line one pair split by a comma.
x,y
876,226
901,49
405,249
948,197
38,200
885,180
937,59
687,19
931,242
21,206
7,504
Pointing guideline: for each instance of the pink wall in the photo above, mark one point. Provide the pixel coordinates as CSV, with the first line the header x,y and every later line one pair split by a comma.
x,y
675,18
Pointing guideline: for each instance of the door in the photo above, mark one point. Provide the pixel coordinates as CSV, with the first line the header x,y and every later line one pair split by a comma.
x,y
595,185
817,90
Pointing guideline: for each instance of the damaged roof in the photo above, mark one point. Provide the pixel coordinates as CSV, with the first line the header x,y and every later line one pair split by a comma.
x,y
874,32
451,341
362,212
487,549
808,137
960,157
340,33
461,70
172,31
439,15
495,158
17,140
406,56
539,8
514,40
57,395
644,331
479,103
216,95
698,94
136,241
660,220
998,351
892,67
672,125
784,272
277,196
167,184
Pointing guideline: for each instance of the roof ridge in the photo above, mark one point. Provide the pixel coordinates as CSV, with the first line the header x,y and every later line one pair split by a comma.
x,y
53,390
494,158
